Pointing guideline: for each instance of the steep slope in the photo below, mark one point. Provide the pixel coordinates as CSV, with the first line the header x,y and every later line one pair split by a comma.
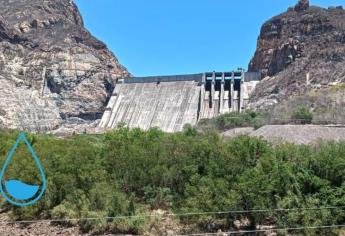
x,y
52,70
304,40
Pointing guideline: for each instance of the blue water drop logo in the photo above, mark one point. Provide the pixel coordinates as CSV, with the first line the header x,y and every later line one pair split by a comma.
x,y
15,191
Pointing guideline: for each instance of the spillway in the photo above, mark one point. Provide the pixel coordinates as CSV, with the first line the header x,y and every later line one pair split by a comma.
x,y
167,105
171,102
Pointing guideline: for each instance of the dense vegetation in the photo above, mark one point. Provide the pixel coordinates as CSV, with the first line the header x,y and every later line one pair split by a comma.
x,y
135,172
302,115
255,119
232,120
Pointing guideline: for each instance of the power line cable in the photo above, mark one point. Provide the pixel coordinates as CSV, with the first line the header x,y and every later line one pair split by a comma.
x,y
164,216
267,230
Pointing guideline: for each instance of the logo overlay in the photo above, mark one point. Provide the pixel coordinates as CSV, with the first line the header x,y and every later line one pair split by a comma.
x,y
17,192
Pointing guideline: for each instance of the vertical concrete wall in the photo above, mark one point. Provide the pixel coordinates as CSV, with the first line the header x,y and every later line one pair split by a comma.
x,y
248,88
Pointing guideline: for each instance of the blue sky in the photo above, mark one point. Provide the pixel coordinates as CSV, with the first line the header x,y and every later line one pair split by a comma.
x,y
157,37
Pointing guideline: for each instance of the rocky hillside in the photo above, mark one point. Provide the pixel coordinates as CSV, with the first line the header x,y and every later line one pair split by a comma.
x,y
53,72
304,40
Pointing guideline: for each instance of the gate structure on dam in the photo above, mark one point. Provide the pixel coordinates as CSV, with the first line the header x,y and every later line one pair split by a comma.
x,y
171,102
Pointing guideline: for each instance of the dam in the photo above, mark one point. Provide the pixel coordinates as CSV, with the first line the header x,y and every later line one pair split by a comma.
x,y
171,102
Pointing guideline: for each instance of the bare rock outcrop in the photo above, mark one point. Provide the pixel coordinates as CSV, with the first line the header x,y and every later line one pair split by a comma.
x,y
52,70
304,40
302,5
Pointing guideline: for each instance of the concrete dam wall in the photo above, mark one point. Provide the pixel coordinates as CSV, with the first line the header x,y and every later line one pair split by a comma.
x,y
171,102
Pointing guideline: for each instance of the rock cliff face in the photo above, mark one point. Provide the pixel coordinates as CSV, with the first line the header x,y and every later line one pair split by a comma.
x,y
304,40
53,72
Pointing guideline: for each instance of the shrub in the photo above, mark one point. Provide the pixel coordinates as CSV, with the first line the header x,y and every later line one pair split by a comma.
x,y
158,198
235,119
302,115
